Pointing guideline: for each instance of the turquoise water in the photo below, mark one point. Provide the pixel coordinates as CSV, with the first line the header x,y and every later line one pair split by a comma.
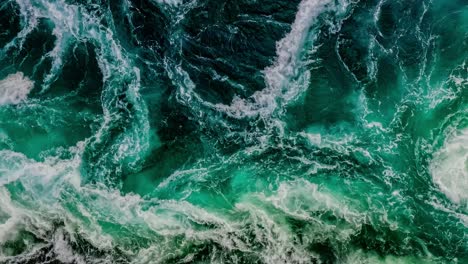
x,y
203,131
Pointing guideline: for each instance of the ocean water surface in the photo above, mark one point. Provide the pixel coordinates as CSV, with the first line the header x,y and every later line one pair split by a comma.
x,y
222,131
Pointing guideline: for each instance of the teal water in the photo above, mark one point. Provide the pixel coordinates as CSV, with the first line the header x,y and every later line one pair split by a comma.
x,y
203,131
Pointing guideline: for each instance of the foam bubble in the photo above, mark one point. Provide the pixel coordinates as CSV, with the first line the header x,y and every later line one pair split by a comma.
x,y
14,89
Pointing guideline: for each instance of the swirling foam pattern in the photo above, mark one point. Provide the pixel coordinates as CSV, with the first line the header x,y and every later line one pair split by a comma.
x,y
218,131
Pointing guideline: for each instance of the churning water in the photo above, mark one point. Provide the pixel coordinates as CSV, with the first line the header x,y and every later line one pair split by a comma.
x,y
219,131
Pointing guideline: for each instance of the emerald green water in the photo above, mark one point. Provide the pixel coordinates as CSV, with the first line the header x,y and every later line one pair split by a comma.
x,y
202,131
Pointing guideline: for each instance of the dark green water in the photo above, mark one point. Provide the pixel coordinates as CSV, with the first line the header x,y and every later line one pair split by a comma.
x,y
220,131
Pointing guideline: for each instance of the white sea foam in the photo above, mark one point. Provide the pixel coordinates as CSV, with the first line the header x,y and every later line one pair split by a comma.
x,y
8,228
16,166
14,89
369,257
169,2
64,251
302,199
449,168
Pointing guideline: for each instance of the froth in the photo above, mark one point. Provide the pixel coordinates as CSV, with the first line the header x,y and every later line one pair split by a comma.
x,y
14,89
450,168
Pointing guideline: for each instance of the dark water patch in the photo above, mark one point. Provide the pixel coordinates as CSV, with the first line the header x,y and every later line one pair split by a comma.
x,y
9,21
